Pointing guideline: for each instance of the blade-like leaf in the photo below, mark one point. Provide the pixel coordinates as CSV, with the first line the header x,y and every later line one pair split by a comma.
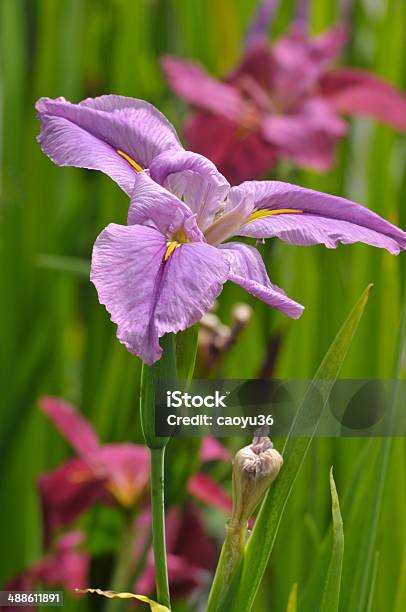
x,y
247,579
292,601
363,576
186,348
373,582
63,263
155,607
331,595
356,486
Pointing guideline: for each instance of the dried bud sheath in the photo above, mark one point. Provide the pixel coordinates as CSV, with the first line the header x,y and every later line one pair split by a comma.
x,y
255,467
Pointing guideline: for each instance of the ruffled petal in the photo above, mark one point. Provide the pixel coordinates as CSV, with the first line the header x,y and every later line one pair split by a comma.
x,y
76,429
113,134
149,292
303,217
194,179
191,82
153,205
358,92
193,279
247,270
127,266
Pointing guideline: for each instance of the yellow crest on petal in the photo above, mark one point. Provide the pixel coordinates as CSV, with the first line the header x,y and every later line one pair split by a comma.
x,y
155,607
130,160
171,245
263,212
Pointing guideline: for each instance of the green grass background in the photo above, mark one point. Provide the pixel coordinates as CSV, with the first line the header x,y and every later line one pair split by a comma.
x,y
56,338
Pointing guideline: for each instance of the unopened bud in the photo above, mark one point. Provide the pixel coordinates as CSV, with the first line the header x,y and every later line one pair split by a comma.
x,y
210,321
255,467
241,314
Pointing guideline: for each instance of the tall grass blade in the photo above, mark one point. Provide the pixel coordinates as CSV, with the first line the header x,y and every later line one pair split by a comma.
x,y
365,557
331,595
292,601
247,580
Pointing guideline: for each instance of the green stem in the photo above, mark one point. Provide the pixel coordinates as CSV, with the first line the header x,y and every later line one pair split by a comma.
x,y
158,525
164,369
230,557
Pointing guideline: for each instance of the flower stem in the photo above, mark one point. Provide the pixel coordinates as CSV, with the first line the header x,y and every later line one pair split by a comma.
x,y
230,557
158,525
164,369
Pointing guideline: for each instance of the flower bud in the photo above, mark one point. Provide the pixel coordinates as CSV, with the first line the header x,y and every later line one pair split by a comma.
x,y
255,467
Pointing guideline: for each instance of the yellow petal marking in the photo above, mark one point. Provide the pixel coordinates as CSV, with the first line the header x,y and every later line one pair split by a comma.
x,y
260,214
130,160
171,246
155,607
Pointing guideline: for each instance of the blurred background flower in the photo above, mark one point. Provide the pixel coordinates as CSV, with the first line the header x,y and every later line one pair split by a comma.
x,y
283,101
109,473
64,566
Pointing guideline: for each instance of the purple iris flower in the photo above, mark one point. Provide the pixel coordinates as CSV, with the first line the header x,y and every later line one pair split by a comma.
x,y
284,101
162,272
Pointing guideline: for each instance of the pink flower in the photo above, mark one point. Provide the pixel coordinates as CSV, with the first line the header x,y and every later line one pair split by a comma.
x,y
109,474
191,552
65,566
112,473
282,101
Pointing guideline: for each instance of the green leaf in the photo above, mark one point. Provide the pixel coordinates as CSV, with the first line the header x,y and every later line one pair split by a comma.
x,y
292,601
186,348
62,263
363,575
164,369
331,595
373,582
246,582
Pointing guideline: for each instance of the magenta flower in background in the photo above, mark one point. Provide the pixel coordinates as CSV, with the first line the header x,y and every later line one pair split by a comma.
x,y
202,486
80,483
65,566
191,552
163,271
283,101
108,474
112,473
